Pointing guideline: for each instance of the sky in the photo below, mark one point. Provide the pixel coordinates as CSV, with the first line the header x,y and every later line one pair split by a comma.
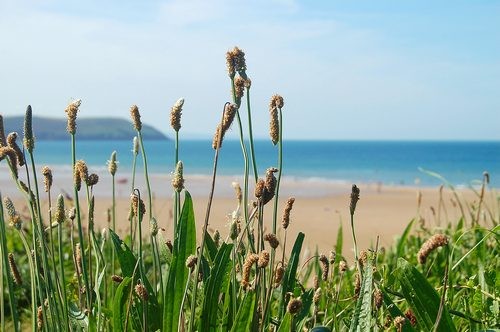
x,y
367,70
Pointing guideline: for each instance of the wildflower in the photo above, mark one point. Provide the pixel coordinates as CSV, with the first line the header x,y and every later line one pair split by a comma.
x,y
81,173
138,207
29,140
239,88
378,297
399,322
437,240
14,218
178,179
278,274
47,178
286,214
269,185
411,317
263,259
274,125
357,285
175,114
354,199
272,239
317,296
249,262
136,117
116,278
78,258
324,267
227,120
141,291
14,270
112,164
315,282
342,266
294,306
71,111
259,188
93,179
11,141
39,318
60,213
332,257
235,60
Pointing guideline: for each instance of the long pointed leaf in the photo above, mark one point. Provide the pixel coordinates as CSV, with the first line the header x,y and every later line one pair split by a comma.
x,y
422,298
244,318
184,245
288,283
361,320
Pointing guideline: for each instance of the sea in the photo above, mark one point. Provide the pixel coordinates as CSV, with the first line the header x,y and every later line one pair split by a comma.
x,y
400,163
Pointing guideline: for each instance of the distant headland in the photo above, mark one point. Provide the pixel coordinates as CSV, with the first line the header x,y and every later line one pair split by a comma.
x,y
87,128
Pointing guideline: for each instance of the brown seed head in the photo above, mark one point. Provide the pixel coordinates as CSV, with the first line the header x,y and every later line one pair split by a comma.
x,y
324,267
235,60
286,213
47,178
332,257
399,322
81,173
357,285
175,114
278,274
14,270
276,102
437,240
60,214
12,142
191,262
169,246
116,278
178,178
259,188
29,139
363,258
263,259
247,267
78,258
378,297
141,292
272,239
274,125
72,214
239,89
138,206
136,117
112,164
411,317
317,296
39,318
153,226
343,266
217,238
354,198
294,306
248,83
71,111
229,114
93,179
237,189
270,185
14,218
315,282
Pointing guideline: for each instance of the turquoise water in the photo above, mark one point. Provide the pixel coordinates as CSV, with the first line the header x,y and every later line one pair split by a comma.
x,y
352,161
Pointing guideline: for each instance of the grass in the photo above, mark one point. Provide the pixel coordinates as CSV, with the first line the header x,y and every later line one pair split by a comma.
x,y
74,278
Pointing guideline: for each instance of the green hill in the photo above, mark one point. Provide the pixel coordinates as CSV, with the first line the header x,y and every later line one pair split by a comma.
x,y
87,128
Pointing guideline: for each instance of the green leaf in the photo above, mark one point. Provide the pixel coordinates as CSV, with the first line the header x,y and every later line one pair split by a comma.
x,y
120,303
395,312
361,319
288,283
184,245
128,262
244,318
211,247
218,281
422,298
77,318
286,323
402,241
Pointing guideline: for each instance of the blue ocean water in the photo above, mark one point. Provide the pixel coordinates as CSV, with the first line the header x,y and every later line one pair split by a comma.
x,y
389,162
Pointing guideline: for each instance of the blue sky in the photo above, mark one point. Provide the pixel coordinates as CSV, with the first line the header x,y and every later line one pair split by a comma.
x,y
347,69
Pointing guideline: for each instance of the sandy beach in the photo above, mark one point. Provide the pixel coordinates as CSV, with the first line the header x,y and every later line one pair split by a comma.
x,y
320,207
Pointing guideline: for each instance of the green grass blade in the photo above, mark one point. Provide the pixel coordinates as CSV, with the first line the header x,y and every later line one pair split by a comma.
x,y
286,323
422,298
218,281
184,245
288,283
402,241
362,317
244,318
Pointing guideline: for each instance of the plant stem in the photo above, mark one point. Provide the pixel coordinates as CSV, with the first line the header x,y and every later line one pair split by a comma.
x,y
250,135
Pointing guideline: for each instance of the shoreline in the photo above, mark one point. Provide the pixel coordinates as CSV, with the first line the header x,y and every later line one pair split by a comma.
x,y
320,208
